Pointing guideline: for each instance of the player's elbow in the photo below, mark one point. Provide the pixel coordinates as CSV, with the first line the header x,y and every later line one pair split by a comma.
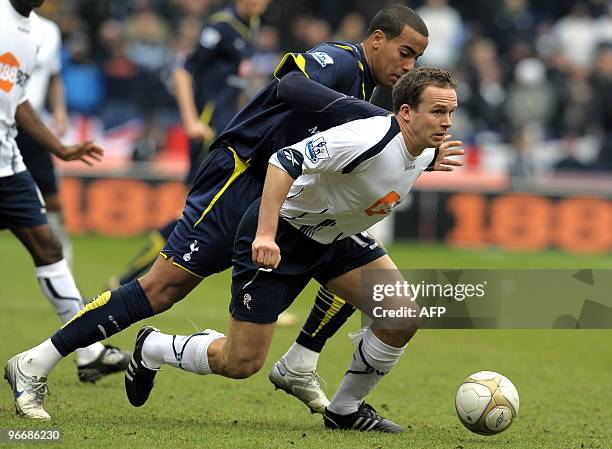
x,y
182,77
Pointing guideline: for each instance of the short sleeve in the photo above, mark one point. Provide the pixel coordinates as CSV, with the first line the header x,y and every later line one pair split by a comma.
x,y
55,66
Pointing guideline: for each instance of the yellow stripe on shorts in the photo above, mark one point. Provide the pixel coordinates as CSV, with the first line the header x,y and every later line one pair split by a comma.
x,y
240,167
187,270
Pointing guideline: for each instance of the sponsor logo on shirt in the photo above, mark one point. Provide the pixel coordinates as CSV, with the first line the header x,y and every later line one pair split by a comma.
x,y
10,73
322,58
316,149
384,205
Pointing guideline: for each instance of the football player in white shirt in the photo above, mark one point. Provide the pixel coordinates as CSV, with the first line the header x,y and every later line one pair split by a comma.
x,y
22,209
327,190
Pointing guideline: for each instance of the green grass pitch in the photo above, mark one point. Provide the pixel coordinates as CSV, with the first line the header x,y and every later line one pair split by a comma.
x,y
564,377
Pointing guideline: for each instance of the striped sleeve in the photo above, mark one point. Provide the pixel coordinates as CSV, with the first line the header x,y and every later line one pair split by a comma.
x,y
289,160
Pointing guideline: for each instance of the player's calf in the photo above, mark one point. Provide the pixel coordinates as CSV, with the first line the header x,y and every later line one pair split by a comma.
x,y
239,355
41,243
243,352
239,369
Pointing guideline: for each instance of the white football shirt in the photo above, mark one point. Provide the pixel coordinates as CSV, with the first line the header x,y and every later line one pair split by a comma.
x,y
348,177
20,40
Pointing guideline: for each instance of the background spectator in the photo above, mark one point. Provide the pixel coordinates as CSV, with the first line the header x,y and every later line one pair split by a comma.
x,y
519,61
446,33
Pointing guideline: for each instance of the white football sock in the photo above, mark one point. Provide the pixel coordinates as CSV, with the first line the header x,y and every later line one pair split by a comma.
x,y
40,360
56,223
301,359
59,287
88,354
188,352
371,360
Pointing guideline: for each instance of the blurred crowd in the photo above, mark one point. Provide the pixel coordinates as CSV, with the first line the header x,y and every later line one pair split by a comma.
x,y
529,71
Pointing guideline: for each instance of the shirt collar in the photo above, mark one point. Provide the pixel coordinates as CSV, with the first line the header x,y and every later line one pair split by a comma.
x,y
370,83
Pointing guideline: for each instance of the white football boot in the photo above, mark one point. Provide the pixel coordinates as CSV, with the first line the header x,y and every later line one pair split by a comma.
x,y
29,392
307,387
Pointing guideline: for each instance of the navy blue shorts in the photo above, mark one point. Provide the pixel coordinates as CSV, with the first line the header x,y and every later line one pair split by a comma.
x,y
222,191
260,296
21,204
39,162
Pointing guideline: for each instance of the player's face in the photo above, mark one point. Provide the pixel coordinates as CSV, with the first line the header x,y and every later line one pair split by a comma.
x,y
431,119
255,8
393,58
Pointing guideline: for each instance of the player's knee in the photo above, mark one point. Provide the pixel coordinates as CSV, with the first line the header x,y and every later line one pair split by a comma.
x,y
398,317
410,324
162,293
413,323
242,371
245,367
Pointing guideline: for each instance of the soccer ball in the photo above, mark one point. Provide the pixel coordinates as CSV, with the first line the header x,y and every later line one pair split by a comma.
x,y
487,403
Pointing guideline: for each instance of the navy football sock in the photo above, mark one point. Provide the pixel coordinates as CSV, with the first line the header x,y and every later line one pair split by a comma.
x,y
328,315
109,313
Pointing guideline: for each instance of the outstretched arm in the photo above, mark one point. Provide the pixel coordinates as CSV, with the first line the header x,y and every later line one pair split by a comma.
x,y
27,119
303,93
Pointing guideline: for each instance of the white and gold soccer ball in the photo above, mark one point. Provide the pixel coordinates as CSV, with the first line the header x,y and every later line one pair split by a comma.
x,y
487,403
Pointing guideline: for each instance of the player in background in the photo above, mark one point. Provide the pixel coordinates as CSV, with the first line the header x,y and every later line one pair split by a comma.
x,y
22,209
208,87
327,189
311,91
44,86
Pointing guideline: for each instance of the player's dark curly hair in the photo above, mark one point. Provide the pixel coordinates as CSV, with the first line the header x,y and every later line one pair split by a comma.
x,y
409,87
393,19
